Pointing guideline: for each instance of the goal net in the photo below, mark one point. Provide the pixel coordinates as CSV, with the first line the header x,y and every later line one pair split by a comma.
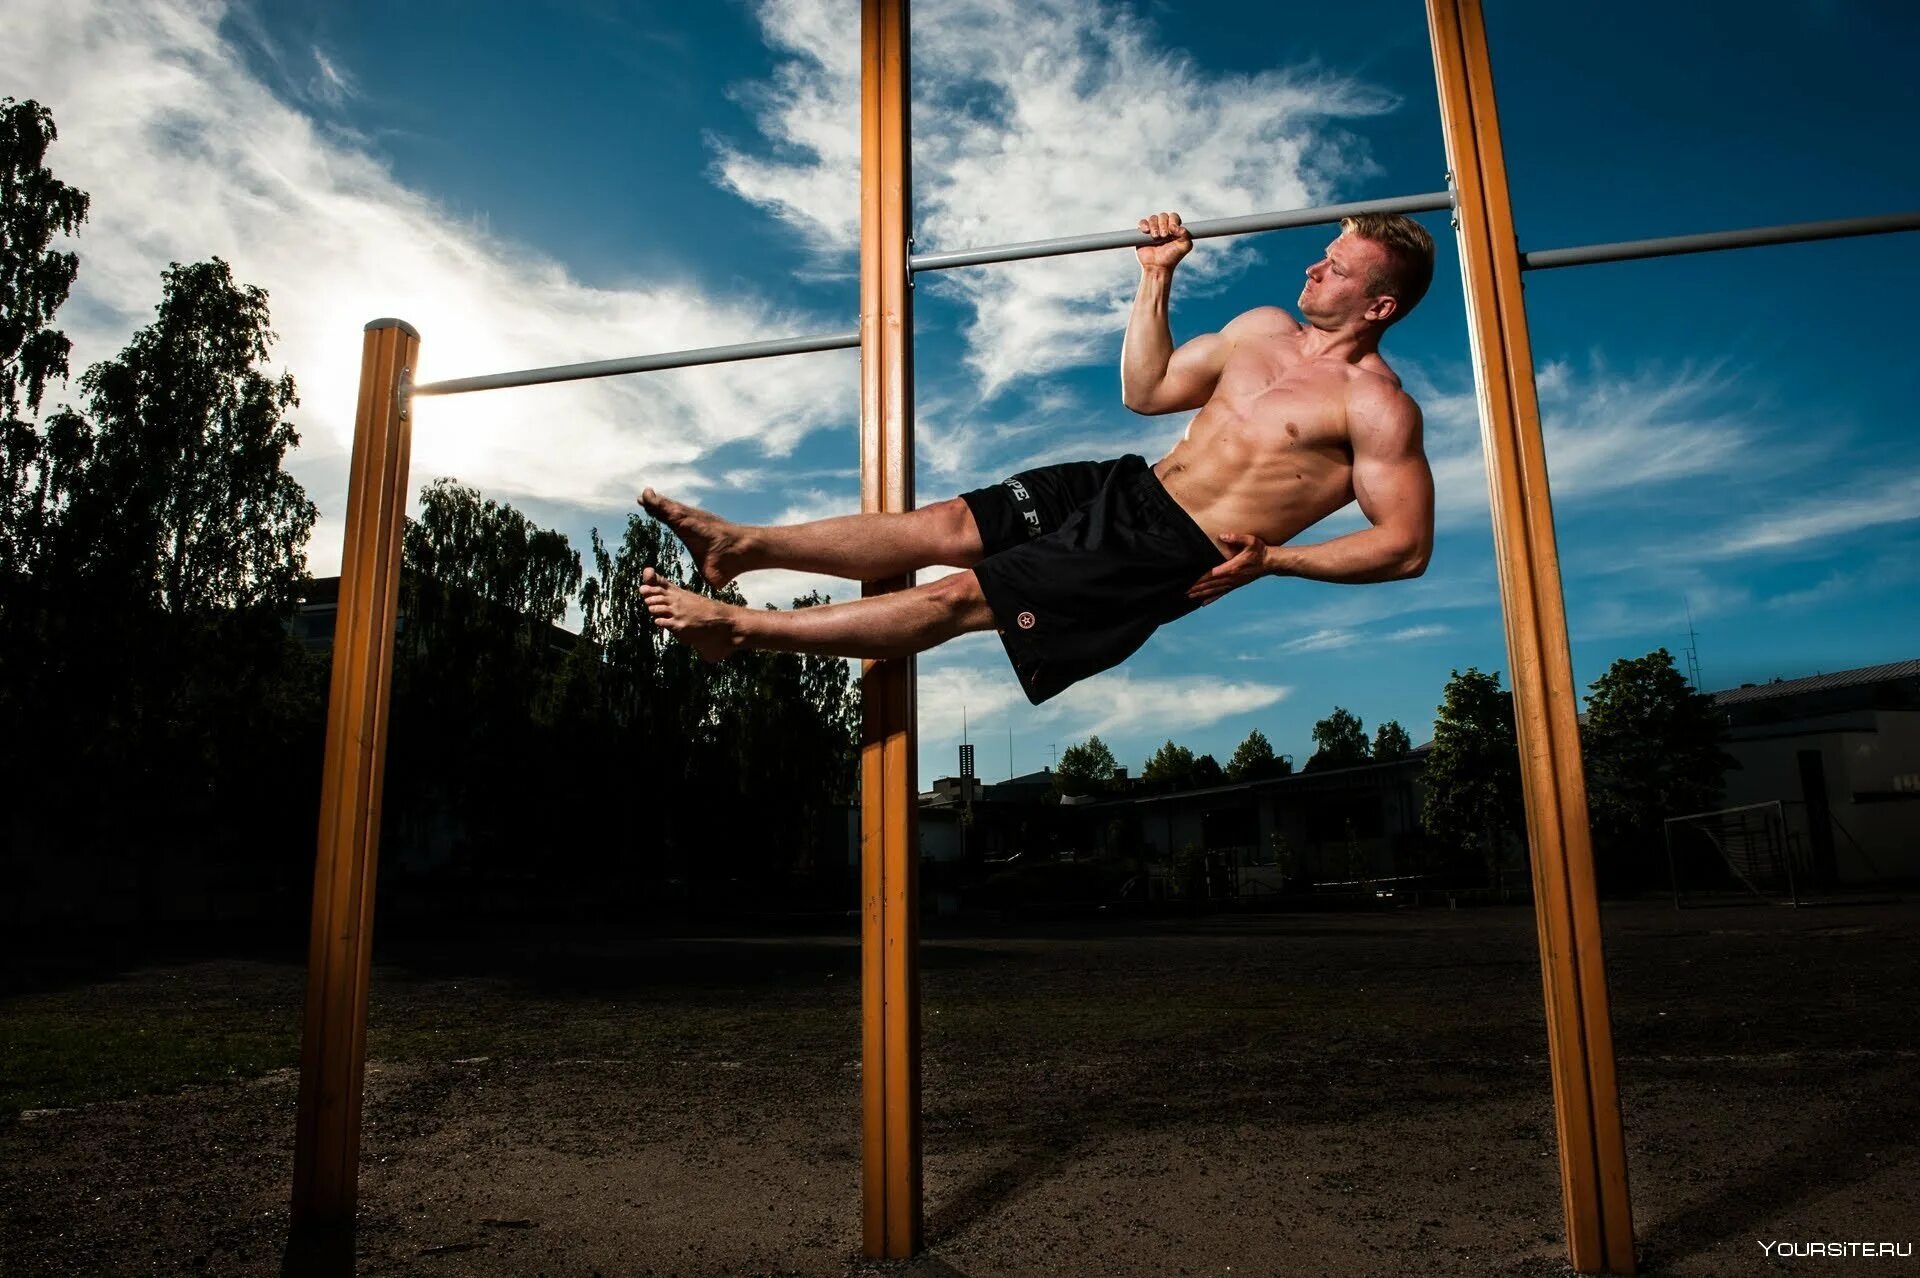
x,y
1745,851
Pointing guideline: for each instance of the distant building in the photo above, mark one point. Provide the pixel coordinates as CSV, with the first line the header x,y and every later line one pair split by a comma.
x,y
1841,752
318,613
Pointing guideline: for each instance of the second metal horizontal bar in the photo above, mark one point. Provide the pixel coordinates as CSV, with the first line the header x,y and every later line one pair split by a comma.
x,y
1432,202
1672,245
642,364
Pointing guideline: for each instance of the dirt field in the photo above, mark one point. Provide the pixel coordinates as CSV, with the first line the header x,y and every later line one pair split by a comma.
x,y
1274,1094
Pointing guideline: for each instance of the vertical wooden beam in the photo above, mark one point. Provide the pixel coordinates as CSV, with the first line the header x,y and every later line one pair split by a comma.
x,y
889,848
1593,1166
333,1047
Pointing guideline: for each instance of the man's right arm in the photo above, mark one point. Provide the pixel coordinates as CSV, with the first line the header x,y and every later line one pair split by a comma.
x,y
1154,377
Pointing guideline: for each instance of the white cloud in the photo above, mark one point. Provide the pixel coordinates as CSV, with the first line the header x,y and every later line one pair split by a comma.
x,y
187,155
1606,432
1332,640
330,84
819,503
976,677
1321,641
1035,118
1121,702
1868,502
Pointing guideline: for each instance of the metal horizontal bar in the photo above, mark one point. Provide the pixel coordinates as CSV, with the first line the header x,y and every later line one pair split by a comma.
x,y
1252,222
1673,245
642,364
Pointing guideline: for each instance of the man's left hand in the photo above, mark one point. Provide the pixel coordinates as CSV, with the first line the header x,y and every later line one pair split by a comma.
x,y
1249,565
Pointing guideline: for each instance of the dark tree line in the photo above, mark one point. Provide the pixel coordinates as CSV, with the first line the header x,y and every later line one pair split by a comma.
x,y
161,726
1652,747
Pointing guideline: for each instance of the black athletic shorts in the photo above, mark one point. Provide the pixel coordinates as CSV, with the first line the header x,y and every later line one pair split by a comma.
x,y
1084,561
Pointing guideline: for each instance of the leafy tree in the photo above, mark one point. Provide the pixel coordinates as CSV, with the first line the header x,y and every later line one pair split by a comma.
x,y
1472,773
34,281
486,556
172,485
1085,768
179,709
1170,764
481,589
1254,760
1340,741
1207,771
1390,741
787,754
1653,750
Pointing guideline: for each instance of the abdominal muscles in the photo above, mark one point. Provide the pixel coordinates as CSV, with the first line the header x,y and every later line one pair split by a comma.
x,y
1270,480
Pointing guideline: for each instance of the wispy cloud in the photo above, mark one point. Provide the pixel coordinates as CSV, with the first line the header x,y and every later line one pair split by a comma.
x,y
1869,501
973,676
330,84
1044,117
1607,431
1333,640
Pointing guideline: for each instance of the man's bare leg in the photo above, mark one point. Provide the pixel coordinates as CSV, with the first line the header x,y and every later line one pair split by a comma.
x,y
857,547
890,625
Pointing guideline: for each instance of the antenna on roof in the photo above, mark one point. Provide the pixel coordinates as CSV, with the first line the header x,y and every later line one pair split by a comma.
x,y
1693,649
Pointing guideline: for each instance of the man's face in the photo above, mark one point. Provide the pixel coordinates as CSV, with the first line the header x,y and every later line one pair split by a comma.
x,y
1336,287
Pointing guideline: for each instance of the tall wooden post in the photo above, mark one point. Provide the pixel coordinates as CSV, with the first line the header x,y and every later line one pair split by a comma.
x,y
333,1047
889,848
1593,1168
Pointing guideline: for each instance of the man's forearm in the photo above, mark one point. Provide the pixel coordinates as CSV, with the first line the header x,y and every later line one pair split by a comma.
x,y
1148,347
1371,554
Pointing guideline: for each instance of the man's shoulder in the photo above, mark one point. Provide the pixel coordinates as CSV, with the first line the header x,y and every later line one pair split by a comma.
x,y
1262,321
1376,399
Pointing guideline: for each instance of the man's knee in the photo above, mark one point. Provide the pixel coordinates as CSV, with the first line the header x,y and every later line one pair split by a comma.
x,y
959,532
960,597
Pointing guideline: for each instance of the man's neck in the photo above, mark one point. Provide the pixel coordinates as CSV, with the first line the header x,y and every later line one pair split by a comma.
x,y
1343,344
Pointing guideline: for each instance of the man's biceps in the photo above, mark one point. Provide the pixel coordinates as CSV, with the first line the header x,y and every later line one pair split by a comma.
x,y
1392,488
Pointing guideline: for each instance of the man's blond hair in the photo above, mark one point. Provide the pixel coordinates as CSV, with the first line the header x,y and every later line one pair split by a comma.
x,y
1408,269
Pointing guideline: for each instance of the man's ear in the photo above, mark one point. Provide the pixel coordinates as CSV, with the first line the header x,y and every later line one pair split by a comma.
x,y
1384,308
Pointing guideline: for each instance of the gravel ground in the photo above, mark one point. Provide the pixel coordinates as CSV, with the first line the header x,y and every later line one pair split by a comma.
x,y
1276,1094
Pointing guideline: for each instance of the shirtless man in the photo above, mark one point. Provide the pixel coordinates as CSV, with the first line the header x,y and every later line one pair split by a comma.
x,y
1075,565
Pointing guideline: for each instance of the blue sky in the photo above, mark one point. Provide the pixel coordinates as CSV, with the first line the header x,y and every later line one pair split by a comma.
x,y
533,184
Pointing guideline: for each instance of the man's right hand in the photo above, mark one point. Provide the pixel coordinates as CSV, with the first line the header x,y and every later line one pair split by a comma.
x,y
1174,241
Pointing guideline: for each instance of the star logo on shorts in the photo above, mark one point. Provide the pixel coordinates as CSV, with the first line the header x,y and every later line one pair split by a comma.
x,y
1024,621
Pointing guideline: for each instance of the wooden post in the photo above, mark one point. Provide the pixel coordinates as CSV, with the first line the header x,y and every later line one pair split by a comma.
x,y
333,1047
889,848
1593,1168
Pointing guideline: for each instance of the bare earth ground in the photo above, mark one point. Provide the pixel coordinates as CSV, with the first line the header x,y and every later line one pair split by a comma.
x,y
1272,1094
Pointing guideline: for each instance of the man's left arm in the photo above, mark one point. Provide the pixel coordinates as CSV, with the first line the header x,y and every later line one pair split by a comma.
x,y
1394,486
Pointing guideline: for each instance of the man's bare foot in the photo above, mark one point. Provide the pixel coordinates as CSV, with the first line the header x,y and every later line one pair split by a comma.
x,y
715,544
706,625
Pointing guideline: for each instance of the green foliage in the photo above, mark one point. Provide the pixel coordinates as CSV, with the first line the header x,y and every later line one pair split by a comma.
x,y
1653,750
1340,741
34,282
1472,773
1207,771
166,720
172,484
1254,760
1390,741
1171,764
1085,768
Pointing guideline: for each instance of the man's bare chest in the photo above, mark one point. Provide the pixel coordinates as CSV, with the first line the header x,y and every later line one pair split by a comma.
x,y
1282,403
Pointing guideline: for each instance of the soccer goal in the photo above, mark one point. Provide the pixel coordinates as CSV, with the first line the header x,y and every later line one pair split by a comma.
x,y
1744,850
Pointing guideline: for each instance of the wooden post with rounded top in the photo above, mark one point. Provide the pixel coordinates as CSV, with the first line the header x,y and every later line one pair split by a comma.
x,y
889,849
1593,1167
333,1045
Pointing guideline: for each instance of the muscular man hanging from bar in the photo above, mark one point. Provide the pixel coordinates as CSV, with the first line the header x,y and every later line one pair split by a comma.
x,y
1076,564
